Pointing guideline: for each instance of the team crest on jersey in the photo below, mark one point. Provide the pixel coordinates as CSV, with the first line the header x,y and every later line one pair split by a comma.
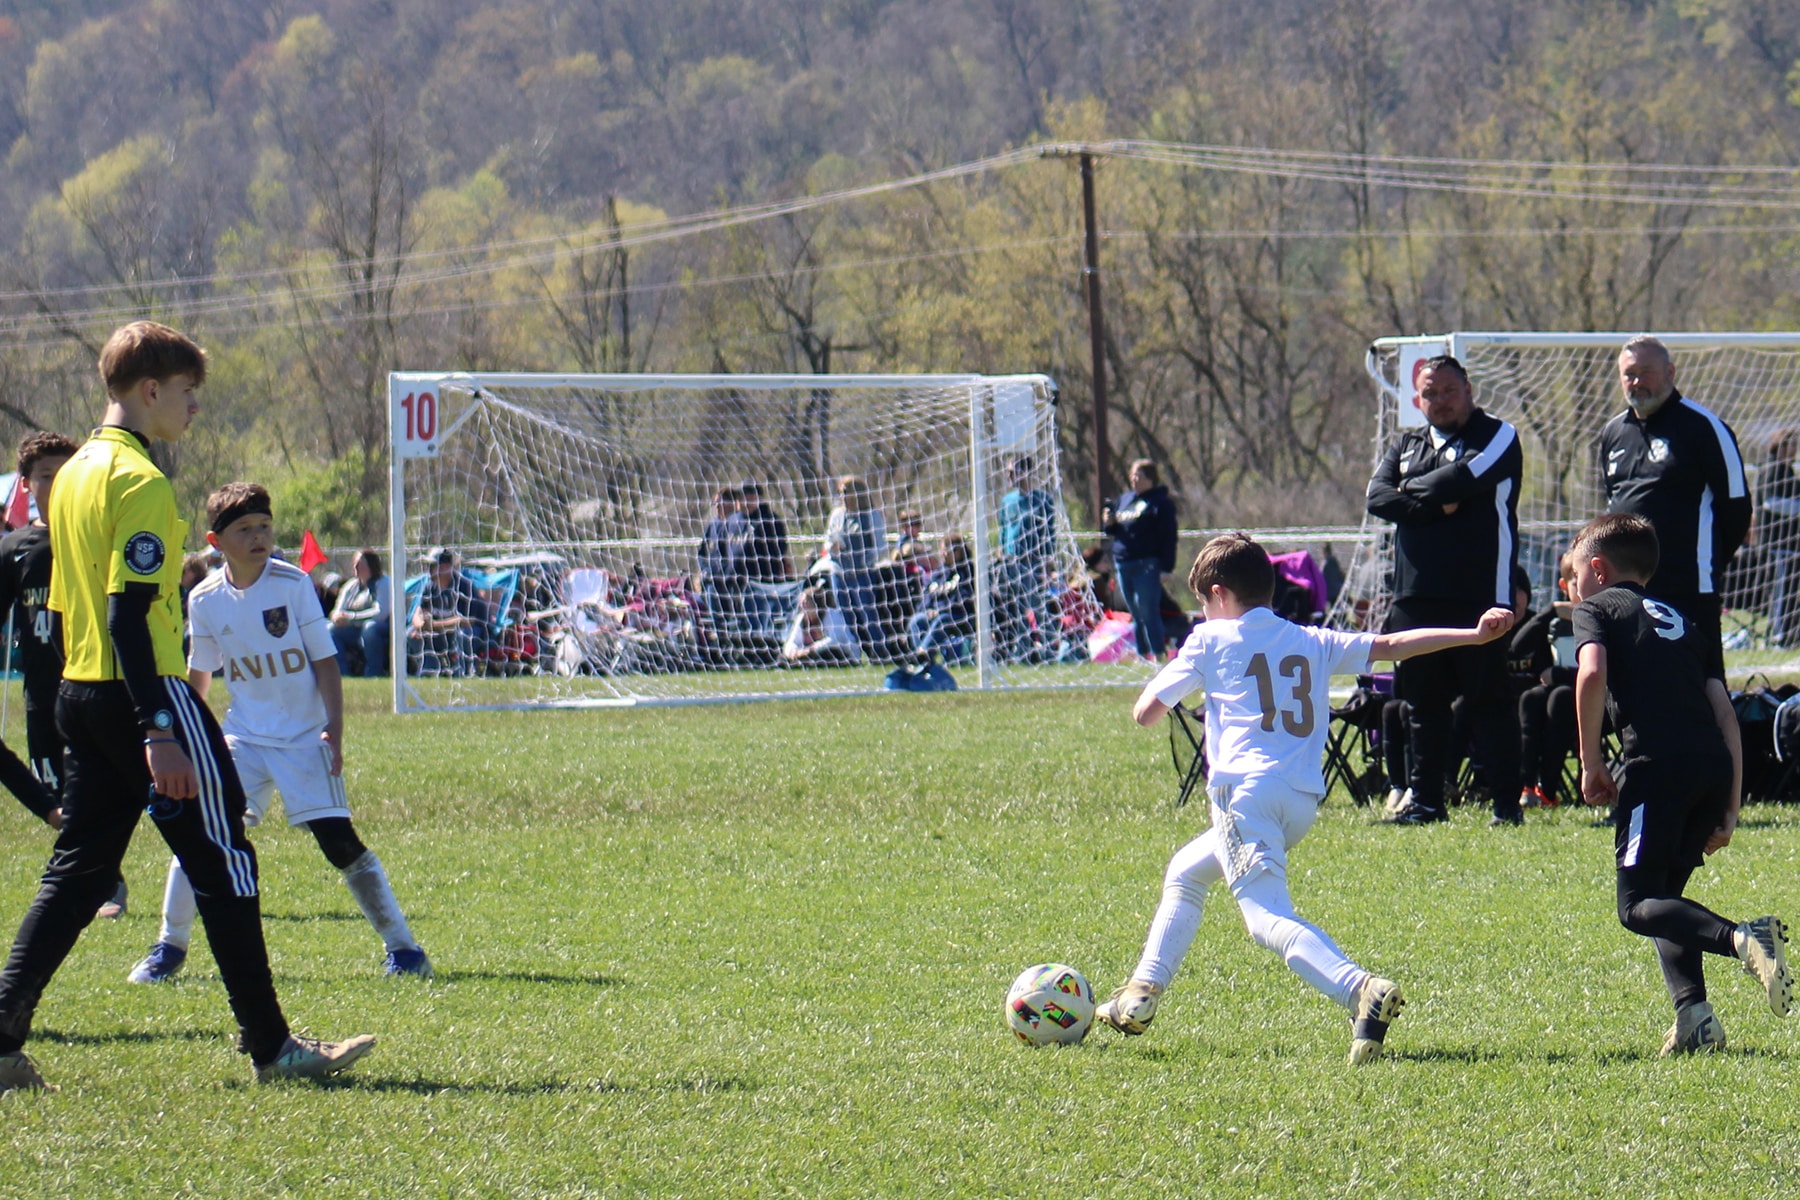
x,y
144,553
275,621
1659,450
1664,620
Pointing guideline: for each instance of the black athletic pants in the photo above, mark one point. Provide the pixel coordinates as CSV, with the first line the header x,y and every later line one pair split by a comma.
x,y
1667,809
1547,735
1430,682
106,788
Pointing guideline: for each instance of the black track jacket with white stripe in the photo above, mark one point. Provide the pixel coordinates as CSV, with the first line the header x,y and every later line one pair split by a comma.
x,y
1679,467
1467,555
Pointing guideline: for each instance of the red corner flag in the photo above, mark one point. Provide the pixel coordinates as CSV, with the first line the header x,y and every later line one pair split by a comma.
x,y
18,505
310,554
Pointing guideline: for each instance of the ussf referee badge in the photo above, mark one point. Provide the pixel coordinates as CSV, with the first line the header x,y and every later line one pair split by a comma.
x,y
144,553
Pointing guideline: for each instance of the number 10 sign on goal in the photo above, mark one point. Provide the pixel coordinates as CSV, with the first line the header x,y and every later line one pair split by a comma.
x,y
414,412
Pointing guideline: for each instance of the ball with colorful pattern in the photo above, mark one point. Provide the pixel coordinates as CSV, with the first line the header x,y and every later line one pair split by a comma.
x,y
1050,1004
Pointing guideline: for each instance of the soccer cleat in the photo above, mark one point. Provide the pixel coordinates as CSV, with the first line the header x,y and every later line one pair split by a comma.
x,y
409,962
1378,1002
163,963
1762,948
114,908
1130,1008
1397,799
1414,813
1695,1031
1503,820
1531,797
19,1074
313,1058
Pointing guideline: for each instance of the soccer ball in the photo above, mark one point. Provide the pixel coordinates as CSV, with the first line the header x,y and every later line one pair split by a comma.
x,y
1050,1003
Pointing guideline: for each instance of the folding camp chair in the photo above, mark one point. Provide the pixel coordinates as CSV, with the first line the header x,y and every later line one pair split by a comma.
x,y
1187,747
1353,758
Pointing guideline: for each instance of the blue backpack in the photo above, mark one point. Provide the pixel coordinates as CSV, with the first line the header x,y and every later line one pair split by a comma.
x,y
927,677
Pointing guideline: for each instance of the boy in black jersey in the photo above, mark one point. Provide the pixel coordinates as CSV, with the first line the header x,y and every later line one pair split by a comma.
x,y
1678,793
25,589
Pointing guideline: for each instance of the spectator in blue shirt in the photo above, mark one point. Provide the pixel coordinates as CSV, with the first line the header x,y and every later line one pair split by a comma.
x,y
1027,546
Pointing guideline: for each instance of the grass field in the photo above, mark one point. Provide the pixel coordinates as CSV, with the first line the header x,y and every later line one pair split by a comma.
x,y
761,951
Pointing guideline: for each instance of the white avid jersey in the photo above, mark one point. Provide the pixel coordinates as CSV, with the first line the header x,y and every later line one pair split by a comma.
x,y
264,638
1267,684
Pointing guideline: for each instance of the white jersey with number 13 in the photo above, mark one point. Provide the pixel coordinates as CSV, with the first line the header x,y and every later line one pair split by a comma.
x,y
1267,683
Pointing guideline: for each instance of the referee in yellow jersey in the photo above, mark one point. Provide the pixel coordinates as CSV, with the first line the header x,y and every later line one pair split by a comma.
x,y
136,734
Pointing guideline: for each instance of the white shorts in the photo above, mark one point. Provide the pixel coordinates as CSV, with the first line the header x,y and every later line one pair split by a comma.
x,y
1257,820
302,774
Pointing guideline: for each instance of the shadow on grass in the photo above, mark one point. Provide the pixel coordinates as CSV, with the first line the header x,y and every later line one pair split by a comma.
x,y
1462,1055
308,918
140,1037
550,1087
601,981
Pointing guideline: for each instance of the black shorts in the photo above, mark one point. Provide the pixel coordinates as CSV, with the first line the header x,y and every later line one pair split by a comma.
x,y
1667,808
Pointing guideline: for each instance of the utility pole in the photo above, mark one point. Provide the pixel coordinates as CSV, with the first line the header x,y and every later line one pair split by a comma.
x,y
1096,339
1090,270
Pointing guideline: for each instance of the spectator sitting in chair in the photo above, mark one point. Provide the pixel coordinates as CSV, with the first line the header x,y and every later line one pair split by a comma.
x,y
1547,704
947,609
912,551
820,632
451,626
363,616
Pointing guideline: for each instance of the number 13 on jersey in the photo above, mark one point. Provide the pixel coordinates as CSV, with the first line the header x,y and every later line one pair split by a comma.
x,y
1295,706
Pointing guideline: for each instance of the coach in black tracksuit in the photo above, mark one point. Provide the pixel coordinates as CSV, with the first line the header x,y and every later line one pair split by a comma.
x,y
1676,463
1452,490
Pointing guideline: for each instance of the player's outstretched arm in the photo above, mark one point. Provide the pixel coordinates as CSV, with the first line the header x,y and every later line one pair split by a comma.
x,y
1597,786
1149,710
1410,643
1726,716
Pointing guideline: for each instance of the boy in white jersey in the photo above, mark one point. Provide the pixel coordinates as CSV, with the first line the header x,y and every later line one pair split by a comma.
x,y
1267,709
259,620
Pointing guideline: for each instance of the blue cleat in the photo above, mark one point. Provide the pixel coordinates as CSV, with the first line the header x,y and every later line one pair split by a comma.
x,y
409,962
164,962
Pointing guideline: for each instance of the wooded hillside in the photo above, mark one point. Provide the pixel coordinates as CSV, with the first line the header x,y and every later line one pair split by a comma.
x,y
324,190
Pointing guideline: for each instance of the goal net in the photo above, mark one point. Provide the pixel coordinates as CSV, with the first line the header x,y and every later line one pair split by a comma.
x,y
585,540
1558,390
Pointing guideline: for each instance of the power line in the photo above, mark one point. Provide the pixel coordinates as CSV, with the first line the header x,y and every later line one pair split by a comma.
x,y
1656,184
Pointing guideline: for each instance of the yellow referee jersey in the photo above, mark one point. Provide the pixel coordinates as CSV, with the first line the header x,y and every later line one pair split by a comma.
x,y
113,522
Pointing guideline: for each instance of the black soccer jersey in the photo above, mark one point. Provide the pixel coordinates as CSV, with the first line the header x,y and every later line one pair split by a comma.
x,y
1680,468
25,588
1655,683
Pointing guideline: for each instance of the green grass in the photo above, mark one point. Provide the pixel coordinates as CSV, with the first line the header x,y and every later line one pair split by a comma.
x,y
761,951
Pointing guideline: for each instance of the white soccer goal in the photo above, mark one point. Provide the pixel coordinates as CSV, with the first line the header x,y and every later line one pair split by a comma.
x,y
575,507
1558,390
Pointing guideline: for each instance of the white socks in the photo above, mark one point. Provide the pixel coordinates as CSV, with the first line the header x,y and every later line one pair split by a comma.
x,y
366,880
369,884
178,907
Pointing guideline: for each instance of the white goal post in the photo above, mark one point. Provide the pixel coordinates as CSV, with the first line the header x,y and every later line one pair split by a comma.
x,y
1558,390
572,512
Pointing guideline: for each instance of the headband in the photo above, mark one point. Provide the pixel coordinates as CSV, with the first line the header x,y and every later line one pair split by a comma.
x,y
243,508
